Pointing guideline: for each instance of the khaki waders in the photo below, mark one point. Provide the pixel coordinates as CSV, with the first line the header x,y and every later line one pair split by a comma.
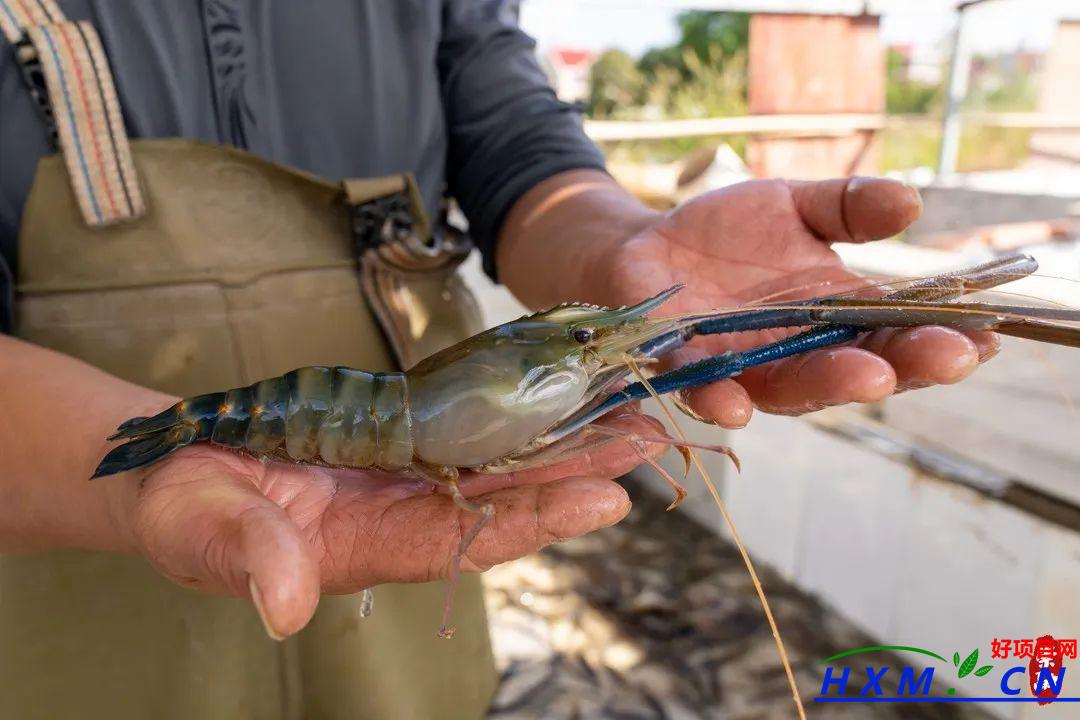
x,y
235,270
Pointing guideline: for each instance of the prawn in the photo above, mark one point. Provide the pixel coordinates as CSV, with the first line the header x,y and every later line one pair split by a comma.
x,y
530,392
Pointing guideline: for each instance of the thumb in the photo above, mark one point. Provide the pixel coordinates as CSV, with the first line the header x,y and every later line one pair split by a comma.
x,y
856,209
218,533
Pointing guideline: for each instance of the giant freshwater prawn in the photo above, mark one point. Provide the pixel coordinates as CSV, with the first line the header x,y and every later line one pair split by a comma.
x,y
536,390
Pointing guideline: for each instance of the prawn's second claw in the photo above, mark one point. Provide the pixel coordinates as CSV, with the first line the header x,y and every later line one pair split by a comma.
x,y
721,367
840,320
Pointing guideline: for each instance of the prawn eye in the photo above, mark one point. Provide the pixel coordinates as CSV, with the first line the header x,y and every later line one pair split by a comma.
x,y
583,335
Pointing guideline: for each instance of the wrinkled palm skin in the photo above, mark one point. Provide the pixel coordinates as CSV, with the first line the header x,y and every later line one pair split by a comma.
x,y
753,240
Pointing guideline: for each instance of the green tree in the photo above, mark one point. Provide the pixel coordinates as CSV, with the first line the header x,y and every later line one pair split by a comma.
x,y
709,37
907,96
701,75
617,85
706,33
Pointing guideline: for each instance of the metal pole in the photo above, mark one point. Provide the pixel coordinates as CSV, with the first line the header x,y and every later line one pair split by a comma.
x,y
959,70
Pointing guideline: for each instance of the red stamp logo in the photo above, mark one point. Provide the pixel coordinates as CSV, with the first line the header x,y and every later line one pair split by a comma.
x,y
1045,668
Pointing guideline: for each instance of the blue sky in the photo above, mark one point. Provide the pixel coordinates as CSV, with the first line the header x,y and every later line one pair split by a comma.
x,y
636,25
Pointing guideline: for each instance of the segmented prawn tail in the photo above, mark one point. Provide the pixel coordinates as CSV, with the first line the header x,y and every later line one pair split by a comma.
x,y
151,438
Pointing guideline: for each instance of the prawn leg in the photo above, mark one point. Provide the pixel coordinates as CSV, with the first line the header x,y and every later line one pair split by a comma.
x,y
447,477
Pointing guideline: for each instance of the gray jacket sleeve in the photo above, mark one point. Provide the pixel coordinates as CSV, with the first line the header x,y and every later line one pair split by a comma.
x,y
7,298
507,130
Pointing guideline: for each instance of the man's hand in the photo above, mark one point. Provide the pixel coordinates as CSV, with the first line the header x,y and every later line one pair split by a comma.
x,y
281,534
740,244
278,533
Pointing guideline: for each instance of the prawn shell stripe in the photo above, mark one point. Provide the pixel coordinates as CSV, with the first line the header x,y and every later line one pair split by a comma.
x,y
367,423
338,416
232,424
393,426
266,431
347,434
310,396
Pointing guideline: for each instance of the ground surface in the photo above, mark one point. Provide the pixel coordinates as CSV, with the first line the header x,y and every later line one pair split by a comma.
x,y
657,618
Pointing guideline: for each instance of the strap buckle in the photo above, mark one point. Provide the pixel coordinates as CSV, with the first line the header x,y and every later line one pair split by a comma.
x,y
29,63
388,222
382,220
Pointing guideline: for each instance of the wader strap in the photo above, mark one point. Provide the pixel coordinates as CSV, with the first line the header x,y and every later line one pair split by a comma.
x,y
83,104
17,15
407,265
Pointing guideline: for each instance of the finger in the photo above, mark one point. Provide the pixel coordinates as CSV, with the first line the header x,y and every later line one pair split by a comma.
x,y
925,356
856,209
218,533
818,379
416,539
723,403
534,517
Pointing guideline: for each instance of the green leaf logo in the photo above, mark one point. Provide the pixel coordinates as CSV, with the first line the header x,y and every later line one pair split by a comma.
x,y
969,663
956,659
983,670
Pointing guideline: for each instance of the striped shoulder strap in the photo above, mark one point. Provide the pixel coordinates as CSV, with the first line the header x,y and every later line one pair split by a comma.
x,y
84,107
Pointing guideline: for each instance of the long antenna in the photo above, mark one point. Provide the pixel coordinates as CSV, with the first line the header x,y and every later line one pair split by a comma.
x,y
735,536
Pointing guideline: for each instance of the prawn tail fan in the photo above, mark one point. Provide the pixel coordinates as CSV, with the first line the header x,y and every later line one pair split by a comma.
x,y
145,448
140,426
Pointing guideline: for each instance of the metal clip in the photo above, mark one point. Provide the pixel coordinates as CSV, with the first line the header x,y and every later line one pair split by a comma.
x,y
388,223
408,267
33,76
381,220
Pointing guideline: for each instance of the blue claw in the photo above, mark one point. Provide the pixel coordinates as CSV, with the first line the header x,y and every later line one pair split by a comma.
x,y
720,367
837,323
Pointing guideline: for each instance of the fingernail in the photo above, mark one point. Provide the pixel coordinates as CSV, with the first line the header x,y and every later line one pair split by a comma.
x,y
257,601
916,196
887,185
859,182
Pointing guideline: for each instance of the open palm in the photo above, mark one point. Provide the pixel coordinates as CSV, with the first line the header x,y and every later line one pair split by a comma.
x,y
759,238
224,522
